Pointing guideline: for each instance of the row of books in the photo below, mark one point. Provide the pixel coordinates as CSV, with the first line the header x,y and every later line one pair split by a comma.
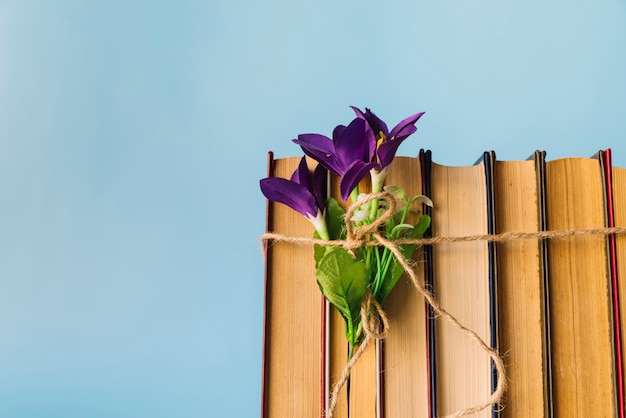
x,y
551,307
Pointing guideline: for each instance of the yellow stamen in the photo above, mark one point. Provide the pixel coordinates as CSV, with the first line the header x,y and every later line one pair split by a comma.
x,y
381,138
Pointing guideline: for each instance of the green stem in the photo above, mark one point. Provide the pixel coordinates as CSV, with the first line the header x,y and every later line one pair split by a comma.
x,y
373,209
405,210
368,258
354,195
387,257
377,278
380,272
384,262
351,339
378,181
359,332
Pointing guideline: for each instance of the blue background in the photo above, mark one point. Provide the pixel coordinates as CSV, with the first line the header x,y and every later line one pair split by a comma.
x,y
133,135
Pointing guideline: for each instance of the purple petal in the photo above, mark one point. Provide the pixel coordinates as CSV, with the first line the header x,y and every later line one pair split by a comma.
x,y
358,112
321,149
294,195
405,127
361,115
376,123
320,186
356,143
387,151
302,175
351,178
338,131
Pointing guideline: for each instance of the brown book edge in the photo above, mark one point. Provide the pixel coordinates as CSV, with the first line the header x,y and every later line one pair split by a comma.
x,y
617,174
486,264
539,158
509,185
389,353
556,383
380,386
266,302
605,161
266,253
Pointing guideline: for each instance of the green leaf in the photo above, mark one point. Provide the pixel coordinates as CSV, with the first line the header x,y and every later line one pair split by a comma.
x,y
396,229
396,191
336,227
420,228
343,281
394,274
335,219
318,252
422,199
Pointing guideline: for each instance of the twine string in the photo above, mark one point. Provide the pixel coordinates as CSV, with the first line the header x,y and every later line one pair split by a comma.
x,y
355,237
502,237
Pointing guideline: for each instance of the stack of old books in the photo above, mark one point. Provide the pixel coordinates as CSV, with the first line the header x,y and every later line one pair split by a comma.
x,y
550,306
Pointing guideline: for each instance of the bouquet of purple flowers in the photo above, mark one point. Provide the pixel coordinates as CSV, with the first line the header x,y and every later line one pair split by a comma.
x,y
347,276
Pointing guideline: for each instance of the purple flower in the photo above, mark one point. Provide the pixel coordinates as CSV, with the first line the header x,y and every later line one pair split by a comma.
x,y
347,154
365,145
387,143
304,193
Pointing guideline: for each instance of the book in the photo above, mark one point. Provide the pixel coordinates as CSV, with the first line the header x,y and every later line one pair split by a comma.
x,y
615,200
390,378
464,283
358,397
425,157
579,290
338,358
294,351
365,385
522,317
404,350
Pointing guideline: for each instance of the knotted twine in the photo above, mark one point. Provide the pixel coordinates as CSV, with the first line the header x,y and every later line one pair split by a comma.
x,y
373,317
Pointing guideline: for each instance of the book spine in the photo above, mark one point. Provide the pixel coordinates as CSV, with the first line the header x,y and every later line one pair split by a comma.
x,y
426,164
540,167
489,161
607,167
266,253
